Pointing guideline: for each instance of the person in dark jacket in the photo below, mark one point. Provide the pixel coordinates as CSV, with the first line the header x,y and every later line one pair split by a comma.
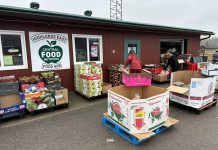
x,y
172,62
134,62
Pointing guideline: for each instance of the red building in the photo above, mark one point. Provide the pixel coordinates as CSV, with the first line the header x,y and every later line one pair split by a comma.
x,y
25,34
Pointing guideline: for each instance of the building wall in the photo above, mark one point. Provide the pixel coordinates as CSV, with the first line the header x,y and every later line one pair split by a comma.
x,y
112,40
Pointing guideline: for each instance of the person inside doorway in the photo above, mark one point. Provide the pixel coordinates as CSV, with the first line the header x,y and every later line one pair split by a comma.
x,y
172,61
134,62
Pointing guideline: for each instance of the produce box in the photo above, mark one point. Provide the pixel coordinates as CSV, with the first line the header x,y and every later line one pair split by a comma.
x,y
138,109
194,90
160,78
137,79
61,96
39,100
155,69
91,76
30,79
210,69
10,104
106,87
10,78
7,88
51,78
52,86
31,86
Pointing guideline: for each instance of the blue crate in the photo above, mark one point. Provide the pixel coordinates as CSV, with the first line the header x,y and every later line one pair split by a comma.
x,y
15,110
12,111
127,136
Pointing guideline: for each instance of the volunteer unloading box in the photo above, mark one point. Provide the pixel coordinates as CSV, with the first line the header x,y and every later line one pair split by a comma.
x,y
138,109
194,90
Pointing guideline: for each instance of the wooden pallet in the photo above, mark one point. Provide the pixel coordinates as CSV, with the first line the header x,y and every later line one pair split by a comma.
x,y
199,110
103,95
135,138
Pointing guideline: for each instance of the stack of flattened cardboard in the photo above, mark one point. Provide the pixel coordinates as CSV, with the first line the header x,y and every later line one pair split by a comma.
x,y
196,91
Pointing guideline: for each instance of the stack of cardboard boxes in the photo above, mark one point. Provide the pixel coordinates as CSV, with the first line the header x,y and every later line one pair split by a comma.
x,y
115,74
88,79
43,91
10,101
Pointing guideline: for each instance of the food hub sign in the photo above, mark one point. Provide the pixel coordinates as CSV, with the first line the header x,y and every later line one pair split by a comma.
x,y
49,51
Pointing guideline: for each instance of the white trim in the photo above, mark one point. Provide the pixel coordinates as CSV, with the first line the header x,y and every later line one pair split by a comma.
x,y
87,43
87,36
23,46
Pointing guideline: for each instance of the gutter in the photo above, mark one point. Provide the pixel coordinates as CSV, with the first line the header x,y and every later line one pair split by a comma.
x,y
206,37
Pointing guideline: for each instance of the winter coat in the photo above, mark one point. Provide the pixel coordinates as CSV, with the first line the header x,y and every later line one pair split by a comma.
x,y
133,61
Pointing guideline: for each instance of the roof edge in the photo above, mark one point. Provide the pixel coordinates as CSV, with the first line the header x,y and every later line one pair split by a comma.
x,y
40,12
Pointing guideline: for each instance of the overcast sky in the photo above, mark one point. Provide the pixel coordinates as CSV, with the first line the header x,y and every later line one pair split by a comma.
x,y
196,14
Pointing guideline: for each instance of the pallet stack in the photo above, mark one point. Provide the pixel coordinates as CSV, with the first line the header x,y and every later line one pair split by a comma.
x,y
115,74
88,79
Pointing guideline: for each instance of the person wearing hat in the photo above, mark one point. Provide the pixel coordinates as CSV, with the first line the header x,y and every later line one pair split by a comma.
x,y
134,62
172,62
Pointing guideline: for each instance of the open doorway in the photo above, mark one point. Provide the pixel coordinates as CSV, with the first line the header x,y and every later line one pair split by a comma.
x,y
174,46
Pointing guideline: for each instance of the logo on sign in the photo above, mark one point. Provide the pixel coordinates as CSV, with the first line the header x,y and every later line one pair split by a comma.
x,y
50,53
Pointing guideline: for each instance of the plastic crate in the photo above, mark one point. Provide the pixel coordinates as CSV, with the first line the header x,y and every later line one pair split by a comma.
x,y
192,66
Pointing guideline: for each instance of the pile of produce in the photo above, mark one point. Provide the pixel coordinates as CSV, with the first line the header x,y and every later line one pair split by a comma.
x,y
41,101
51,79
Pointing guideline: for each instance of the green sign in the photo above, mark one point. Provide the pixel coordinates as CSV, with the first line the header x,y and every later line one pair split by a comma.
x,y
50,53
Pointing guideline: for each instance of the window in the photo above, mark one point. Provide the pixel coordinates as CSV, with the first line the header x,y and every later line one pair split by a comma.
x,y
87,48
12,50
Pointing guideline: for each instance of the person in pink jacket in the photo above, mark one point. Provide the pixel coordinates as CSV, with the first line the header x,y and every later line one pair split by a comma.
x,y
134,62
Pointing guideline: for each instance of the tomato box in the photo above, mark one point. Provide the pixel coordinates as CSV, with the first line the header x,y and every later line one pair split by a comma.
x,y
197,90
138,109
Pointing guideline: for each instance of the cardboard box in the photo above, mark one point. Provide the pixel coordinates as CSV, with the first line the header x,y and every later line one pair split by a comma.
x,y
209,69
138,109
216,87
106,87
61,96
197,92
10,100
137,79
33,95
160,78
8,88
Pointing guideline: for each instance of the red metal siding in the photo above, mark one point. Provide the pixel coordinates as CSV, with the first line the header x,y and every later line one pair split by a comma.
x,y
112,40
193,45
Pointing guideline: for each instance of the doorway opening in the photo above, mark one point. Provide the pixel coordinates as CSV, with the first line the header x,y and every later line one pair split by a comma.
x,y
174,46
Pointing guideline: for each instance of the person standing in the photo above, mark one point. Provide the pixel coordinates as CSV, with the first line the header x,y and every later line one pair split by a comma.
x,y
172,62
134,62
